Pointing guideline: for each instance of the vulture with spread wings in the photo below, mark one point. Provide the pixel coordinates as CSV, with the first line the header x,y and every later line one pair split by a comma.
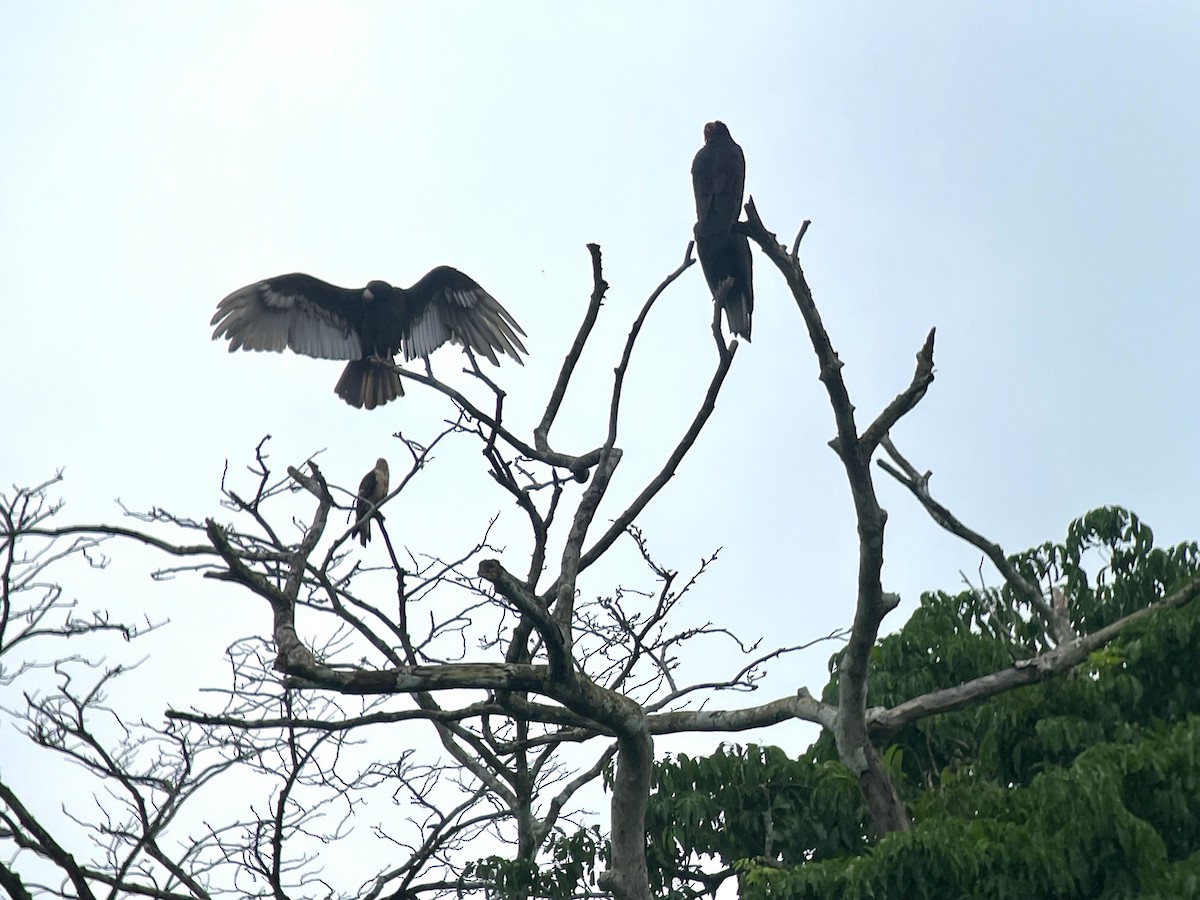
x,y
368,326
718,180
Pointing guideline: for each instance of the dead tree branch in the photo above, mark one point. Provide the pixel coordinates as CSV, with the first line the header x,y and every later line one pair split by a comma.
x,y
873,603
918,485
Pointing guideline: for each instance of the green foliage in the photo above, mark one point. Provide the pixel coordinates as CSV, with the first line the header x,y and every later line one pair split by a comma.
x,y
1085,786
756,797
1143,677
1132,572
1113,824
571,864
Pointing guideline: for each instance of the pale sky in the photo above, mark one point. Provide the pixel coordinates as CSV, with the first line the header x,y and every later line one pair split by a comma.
x,y
1025,177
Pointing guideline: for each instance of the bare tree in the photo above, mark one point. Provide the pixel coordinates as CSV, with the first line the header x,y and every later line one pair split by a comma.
x,y
851,721
532,692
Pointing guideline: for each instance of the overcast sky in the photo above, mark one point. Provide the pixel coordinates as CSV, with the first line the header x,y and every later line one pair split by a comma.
x,y
1025,177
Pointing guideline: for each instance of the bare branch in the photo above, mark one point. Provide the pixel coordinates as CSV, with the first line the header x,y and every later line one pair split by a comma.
x,y
918,485
631,339
600,288
801,706
1027,671
550,457
904,402
872,602
668,470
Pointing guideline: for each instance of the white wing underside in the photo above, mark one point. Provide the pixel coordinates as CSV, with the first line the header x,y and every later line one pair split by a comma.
x,y
472,318
259,318
427,333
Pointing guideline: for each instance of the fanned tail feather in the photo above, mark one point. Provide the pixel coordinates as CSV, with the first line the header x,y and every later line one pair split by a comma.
x,y
368,383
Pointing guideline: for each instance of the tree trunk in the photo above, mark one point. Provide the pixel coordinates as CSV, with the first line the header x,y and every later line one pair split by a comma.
x,y
627,876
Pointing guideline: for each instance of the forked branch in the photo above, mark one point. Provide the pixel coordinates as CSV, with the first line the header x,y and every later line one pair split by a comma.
x,y
918,484
850,729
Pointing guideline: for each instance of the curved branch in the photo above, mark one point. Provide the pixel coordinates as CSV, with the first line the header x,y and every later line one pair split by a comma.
x,y
918,485
872,604
1022,672
904,401
549,457
617,528
631,339
599,289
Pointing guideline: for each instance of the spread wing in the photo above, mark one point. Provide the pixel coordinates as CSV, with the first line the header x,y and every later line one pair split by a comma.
x,y
448,305
300,312
718,180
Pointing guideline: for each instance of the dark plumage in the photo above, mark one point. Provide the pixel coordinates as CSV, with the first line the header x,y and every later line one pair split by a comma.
x,y
718,180
368,326
371,490
729,270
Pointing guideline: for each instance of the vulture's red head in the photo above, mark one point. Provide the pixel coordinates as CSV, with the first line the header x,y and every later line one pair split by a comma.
x,y
715,129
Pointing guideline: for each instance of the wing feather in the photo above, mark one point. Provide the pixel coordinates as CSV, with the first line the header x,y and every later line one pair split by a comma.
x,y
305,314
449,305
718,180
729,270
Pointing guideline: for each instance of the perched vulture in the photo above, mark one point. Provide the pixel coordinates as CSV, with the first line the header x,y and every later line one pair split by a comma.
x,y
729,271
371,490
368,326
718,179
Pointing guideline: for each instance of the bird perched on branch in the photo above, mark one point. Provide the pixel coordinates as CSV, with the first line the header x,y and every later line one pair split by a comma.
x,y
368,326
371,490
718,180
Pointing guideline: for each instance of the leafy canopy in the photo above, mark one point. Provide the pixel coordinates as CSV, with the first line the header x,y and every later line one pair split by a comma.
x,y
1084,786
